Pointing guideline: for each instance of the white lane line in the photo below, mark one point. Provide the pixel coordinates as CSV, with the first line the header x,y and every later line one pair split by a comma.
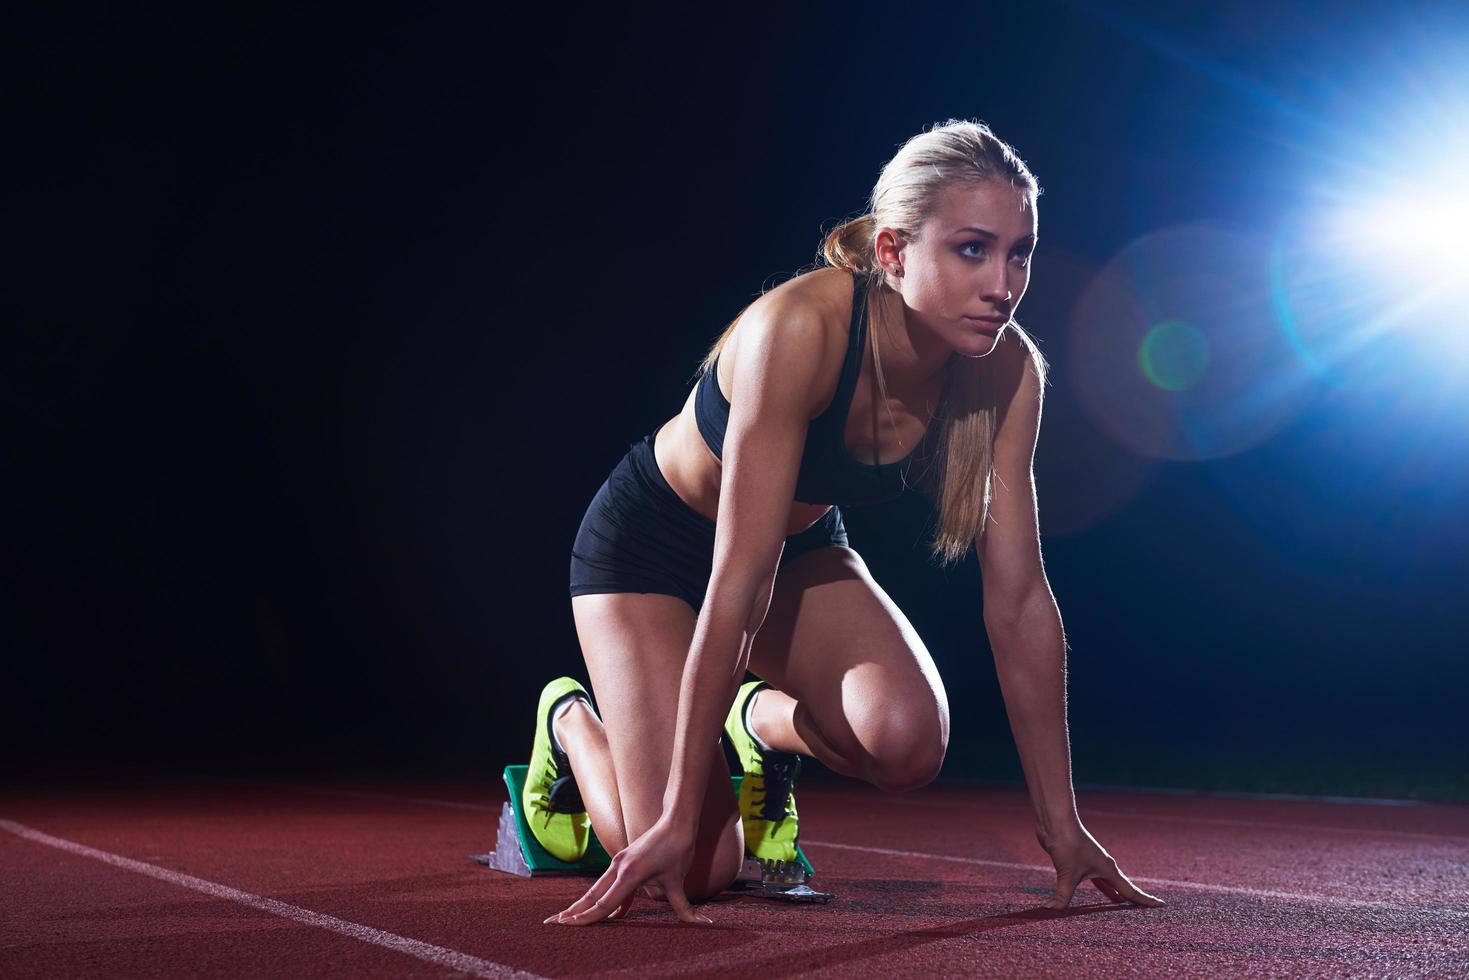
x,y
1236,794
948,805
438,955
1304,828
1090,811
1170,882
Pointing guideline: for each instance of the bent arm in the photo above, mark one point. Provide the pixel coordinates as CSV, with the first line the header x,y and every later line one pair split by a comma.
x,y
779,360
1020,613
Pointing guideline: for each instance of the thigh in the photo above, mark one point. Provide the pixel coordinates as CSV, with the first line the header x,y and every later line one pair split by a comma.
x,y
837,643
635,646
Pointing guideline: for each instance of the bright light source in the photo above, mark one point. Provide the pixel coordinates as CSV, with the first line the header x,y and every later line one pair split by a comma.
x,y
1379,266
1419,229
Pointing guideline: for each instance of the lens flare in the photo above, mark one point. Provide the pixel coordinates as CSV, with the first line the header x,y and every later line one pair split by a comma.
x,y
1175,349
1173,355
1082,477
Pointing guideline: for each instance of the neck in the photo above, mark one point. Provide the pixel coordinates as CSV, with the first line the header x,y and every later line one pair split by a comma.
x,y
914,362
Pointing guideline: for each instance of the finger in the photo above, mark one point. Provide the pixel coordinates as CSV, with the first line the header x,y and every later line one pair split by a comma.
x,y
599,888
585,901
605,905
1133,893
681,905
1064,889
622,909
1108,890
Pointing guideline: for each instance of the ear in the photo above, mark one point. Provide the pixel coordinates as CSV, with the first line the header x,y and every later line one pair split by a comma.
x,y
888,246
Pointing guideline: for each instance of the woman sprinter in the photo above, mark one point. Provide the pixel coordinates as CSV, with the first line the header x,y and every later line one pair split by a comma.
x,y
716,545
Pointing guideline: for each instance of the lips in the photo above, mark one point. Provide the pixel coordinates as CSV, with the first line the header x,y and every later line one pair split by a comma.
x,y
997,320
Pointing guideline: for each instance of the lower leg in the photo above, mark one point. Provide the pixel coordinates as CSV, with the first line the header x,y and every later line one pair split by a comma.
x,y
583,737
580,733
783,723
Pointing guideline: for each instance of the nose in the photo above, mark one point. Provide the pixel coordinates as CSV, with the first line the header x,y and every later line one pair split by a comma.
x,y
997,290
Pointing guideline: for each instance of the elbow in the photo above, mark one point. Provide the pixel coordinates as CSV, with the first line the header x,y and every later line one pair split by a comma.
x,y
742,599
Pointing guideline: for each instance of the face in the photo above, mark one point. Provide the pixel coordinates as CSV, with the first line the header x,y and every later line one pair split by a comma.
x,y
967,269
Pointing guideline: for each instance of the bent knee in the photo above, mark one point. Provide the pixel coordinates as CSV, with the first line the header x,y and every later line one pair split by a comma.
x,y
703,889
903,736
913,762
710,877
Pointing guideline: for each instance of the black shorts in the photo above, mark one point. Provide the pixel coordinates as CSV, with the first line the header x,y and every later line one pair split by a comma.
x,y
638,535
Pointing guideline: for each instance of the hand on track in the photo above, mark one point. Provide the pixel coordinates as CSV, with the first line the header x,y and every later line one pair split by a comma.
x,y
1078,857
660,859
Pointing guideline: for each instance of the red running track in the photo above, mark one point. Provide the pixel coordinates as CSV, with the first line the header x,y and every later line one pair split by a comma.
x,y
296,880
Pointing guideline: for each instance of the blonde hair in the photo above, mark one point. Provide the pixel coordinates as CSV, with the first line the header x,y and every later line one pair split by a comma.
x,y
959,458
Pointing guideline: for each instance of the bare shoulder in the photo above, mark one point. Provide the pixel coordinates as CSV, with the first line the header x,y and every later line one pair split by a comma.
x,y
794,335
1014,350
817,301
826,286
1016,372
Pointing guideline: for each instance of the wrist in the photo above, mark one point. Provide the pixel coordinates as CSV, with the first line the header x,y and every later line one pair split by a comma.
x,y
681,834
1055,824
680,821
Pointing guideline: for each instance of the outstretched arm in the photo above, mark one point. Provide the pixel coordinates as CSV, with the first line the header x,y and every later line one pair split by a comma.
x,y
777,368
780,355
1028,640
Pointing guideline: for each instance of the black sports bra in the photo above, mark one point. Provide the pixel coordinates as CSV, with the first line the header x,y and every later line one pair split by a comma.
x,y
829,473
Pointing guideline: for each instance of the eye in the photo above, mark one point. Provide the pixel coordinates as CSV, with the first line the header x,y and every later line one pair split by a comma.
x,y
966,245
1023,258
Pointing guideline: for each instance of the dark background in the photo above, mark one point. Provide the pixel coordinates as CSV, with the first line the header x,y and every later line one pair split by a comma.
x,y
322,328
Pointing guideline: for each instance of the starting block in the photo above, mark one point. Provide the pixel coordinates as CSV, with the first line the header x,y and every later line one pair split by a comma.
x,y
517,852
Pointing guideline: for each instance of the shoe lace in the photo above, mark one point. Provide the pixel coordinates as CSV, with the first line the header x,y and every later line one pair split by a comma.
x,y
780,771
563,795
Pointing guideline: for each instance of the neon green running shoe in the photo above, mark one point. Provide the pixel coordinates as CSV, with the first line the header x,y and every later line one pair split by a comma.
x,y
767,803
552,803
